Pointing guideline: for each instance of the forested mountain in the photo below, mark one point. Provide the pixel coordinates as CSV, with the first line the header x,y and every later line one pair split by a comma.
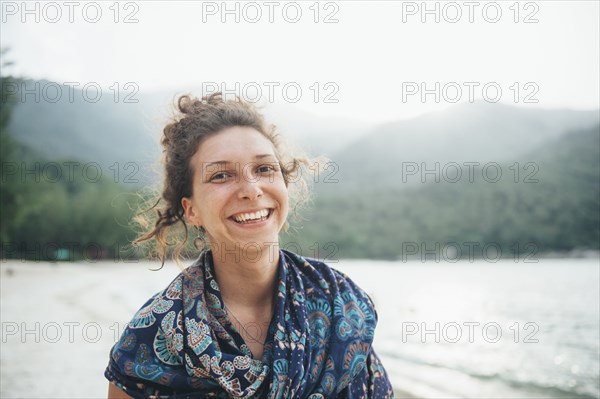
x,y
550,204
51,207
522,180
478,132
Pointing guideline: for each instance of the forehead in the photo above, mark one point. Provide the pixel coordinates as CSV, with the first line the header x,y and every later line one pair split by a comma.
x,y
234,144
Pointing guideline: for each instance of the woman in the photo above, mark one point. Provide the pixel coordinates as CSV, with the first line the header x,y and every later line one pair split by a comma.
x,y
247,319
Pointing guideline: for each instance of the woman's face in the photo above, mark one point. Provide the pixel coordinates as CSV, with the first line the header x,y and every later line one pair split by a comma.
x,y
238,192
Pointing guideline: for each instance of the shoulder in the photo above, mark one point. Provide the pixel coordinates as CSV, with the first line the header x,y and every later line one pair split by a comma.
x,y
324,281
341,318
168,302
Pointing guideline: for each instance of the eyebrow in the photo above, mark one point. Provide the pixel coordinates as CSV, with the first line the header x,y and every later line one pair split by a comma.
x,y
259,156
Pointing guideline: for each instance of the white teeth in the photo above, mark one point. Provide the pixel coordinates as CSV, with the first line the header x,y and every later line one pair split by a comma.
x,y
243,217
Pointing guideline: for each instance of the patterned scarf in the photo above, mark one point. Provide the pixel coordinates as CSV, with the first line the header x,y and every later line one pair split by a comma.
x,y
182,344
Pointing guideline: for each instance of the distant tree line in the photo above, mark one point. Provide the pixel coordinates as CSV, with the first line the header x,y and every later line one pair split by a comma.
x,y
556,209
49,212
58,209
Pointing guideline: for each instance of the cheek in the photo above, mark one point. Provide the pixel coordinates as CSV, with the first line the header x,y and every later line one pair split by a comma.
x,y
210,202
284,195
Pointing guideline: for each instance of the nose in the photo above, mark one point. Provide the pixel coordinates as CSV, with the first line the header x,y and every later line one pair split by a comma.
x,y
250,188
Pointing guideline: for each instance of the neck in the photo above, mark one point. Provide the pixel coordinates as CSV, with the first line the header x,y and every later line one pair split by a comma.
x,y
247,279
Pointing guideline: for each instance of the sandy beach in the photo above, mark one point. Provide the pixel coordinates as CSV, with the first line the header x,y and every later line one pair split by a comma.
x,y
59,321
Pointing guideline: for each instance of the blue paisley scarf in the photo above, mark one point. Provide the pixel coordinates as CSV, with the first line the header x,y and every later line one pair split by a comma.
x,y
181,343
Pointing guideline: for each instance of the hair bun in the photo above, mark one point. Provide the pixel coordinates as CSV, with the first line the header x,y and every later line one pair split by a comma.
x,y
192,105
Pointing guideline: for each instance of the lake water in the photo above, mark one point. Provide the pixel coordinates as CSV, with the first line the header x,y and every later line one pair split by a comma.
x,y
475,330
462,330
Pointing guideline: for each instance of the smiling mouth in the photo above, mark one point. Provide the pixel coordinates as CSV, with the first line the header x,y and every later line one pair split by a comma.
x,y
252,217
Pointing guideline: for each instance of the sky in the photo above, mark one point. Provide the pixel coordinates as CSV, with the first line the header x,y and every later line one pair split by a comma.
x,y
371,62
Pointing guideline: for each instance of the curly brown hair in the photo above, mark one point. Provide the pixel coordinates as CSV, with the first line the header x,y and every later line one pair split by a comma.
x,y
195,120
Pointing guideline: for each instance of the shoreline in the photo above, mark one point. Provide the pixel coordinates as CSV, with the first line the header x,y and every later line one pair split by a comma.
x,y
401,394
72,310
533,258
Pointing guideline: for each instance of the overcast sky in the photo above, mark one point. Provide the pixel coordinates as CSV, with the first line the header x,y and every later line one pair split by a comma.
x,y
373,58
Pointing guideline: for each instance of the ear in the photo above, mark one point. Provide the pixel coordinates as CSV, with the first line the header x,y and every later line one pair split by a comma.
x,y
189,211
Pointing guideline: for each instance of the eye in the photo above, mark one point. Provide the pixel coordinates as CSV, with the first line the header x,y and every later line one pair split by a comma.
x,y
219,177
266,168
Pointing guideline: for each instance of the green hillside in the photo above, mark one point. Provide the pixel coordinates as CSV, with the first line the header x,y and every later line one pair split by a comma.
x,y
470,132
52,209
546,199
553,205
